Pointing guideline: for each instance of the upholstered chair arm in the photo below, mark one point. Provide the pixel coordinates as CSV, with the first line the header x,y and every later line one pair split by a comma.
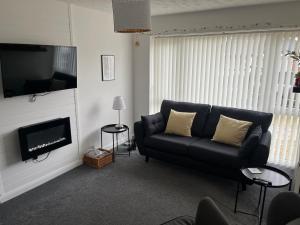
x,y
284,208
208,213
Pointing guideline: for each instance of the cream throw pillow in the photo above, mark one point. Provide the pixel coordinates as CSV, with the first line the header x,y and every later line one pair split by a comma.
x,y
231,131
180,123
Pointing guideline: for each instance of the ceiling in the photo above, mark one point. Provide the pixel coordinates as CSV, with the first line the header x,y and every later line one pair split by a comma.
x,y
160,7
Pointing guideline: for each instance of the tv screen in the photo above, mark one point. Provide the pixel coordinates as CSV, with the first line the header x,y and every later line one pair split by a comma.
x,y
32,69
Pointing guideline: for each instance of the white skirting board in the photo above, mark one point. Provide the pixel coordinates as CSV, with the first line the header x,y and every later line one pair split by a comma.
x,y
37,182
22,189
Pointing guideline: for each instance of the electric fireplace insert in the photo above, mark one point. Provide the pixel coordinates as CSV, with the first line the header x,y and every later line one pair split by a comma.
x,y
38,139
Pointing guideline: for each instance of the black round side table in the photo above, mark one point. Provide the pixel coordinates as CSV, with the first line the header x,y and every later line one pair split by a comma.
x,y
111,129
269,177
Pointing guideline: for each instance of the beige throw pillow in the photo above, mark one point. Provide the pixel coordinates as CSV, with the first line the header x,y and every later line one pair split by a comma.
x,y
231,131
180,123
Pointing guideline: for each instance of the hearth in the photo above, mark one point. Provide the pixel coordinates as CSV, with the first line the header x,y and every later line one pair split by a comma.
x,y
38,139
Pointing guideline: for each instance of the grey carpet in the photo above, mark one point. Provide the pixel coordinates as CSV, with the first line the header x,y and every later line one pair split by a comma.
x,y
128,192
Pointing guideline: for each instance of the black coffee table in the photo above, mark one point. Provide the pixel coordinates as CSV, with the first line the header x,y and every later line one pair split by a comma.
x,y
269,178
111,129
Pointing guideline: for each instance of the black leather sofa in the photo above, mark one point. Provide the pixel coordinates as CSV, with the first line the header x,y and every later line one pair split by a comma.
x,y
199,151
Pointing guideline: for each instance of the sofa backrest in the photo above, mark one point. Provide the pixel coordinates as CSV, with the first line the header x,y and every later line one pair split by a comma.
x,y
202,111
258,118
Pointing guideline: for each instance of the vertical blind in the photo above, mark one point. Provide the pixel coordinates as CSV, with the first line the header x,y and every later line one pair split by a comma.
x,y
247,71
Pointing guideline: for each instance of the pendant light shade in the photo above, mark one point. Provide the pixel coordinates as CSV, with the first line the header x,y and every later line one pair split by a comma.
x,y
131,16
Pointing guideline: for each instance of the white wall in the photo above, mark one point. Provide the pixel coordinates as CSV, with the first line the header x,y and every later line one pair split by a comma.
x,y
141,67
231,19
94,36
33,22
47,22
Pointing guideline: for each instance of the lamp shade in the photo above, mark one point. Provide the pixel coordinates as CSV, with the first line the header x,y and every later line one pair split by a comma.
x,y
119,103
131,16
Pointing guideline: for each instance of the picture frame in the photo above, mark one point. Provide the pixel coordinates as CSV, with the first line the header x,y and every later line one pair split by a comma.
x,y
108,67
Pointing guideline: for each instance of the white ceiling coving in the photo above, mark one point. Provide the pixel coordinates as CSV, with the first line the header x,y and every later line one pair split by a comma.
x,y
161,7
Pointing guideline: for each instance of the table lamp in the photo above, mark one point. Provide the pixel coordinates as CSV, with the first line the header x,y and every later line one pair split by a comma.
x,y
119,105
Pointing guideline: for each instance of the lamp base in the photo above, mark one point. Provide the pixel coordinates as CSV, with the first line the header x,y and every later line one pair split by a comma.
x,y
119,126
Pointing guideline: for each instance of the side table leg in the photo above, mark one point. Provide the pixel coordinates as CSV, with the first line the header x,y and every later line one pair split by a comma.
x,y
101,139
263,206
117,136
236,196
113,147
129,141
259,198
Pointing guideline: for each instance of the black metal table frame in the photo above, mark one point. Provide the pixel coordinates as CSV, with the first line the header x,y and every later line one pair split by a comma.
x,y
124,129
262,193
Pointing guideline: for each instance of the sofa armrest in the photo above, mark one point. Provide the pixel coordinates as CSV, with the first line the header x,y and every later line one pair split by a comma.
x,y
259,156
139,135
251,142
208,213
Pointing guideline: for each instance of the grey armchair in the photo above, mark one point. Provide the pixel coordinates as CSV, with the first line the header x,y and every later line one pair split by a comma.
x,y
208,213
284,209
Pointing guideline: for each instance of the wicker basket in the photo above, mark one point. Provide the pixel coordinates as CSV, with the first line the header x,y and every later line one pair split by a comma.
x,y
100,161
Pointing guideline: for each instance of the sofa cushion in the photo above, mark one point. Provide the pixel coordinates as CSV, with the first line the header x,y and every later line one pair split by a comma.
x,y
257,118
231,131
211,152
153,124
169,143
202,111
180,123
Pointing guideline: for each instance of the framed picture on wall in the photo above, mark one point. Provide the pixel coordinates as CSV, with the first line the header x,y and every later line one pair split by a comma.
x,y
108,67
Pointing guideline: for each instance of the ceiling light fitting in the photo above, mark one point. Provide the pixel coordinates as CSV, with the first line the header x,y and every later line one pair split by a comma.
x,y
131,16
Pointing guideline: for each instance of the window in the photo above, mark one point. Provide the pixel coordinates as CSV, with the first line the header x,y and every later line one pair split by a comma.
x,y
247,71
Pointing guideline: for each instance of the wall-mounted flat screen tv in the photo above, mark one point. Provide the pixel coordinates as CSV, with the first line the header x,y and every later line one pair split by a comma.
x,y
32,69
